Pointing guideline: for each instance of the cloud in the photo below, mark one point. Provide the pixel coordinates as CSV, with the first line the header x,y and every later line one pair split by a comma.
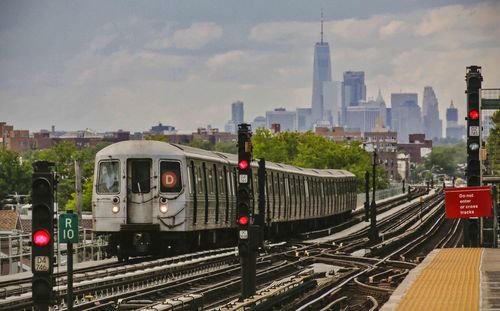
x,y
392,28
136,72
226,59
192,38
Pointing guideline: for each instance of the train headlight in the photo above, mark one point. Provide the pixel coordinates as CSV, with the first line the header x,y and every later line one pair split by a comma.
x,y
163,205
116,205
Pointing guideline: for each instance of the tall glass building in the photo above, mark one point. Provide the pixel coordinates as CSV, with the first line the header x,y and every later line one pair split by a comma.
x,y
322,72
433,127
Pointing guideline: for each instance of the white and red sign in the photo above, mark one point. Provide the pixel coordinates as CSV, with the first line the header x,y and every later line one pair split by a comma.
x,y
169,179
468,202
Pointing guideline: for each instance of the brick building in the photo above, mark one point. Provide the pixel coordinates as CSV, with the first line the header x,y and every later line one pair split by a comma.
x,y
385,144
417,147
338,134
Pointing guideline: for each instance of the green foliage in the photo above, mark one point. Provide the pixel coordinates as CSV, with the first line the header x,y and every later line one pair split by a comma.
x,y
64,155
228,147
313,151
15,173
445,159
157,137
493,144
86,197
202,144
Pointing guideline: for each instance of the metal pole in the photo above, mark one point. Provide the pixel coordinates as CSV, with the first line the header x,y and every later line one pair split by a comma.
x,y
495,220
373,232
78,188
69,255
367,198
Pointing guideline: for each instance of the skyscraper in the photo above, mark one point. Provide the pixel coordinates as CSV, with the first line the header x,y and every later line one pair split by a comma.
x,y
332,100
353,90
285,119
433,127
406,117
322,72
453,130
237,112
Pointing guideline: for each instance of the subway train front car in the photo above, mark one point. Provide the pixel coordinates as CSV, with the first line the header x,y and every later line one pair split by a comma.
x,y
156,198
138,193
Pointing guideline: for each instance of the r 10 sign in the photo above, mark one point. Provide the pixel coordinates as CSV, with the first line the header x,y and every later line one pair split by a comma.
x,y
68,228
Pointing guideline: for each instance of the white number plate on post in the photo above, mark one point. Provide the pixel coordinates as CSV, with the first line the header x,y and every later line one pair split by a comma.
x,y
243,179
473,130
41,263
243,234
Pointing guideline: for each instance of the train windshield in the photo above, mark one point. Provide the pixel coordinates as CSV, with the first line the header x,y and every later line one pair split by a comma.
x,y
141,176
109,177
170,172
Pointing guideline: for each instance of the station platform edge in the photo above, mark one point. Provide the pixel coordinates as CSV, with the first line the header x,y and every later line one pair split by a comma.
x,y
455,279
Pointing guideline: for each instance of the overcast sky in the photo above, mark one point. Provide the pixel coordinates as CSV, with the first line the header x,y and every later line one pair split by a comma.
x,y
109,65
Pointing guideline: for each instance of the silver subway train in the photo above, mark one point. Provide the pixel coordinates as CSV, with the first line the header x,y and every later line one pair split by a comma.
x,y
157,198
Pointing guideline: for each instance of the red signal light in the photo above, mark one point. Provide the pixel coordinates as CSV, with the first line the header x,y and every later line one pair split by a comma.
x,y
243,220
474,114
41,238
243,164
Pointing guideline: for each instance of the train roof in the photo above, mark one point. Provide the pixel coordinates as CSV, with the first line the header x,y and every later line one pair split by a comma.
x,y
148,148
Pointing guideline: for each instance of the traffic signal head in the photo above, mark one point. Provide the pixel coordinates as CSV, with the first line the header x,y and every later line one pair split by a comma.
x,y
41,238
42,290
243,164
473,114
42,247
243,220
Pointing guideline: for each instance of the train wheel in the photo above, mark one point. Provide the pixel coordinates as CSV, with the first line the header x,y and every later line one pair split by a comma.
x,y
120,254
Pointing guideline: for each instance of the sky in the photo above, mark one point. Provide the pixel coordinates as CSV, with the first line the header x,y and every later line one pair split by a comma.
x,y
121,64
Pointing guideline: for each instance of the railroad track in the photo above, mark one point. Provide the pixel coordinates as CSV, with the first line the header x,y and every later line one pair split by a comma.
x,y
123,278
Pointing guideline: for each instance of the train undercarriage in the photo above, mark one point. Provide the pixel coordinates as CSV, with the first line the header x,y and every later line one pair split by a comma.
x,y
148,240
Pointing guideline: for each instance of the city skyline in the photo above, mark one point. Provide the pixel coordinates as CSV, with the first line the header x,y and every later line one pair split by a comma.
x,y
123,65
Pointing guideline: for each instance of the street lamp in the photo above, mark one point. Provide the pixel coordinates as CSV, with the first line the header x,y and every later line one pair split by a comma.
x,y
373,232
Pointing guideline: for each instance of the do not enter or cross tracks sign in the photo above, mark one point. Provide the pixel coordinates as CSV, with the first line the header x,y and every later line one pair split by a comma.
x,y
68,228
468,202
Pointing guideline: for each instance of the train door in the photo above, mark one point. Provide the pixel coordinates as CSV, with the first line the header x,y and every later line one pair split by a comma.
x,y
139,191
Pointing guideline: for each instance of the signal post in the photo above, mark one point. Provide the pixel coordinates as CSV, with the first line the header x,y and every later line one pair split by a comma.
x,y
42,235
473,78
247,232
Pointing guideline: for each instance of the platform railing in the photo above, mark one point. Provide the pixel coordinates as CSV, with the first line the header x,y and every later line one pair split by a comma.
x,y
393,190
15,250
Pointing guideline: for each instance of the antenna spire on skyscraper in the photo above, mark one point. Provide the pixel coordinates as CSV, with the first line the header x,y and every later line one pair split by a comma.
x,y
321,26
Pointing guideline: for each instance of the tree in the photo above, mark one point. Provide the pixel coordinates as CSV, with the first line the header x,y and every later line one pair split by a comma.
x,y
86,197
202,144
493,144
157,137
64,154
313,151
15,173
228,147
445,159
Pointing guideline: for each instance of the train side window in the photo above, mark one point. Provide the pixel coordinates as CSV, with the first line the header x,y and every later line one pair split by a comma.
x,y
170,172
194,183
210,180
287,186
220,177
141,176
273,192
280,192
109,177
189,178
199,183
